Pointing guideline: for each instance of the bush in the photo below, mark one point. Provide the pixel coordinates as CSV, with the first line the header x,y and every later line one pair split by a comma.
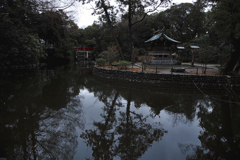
x,y
100,61
123,64
110,54
145,59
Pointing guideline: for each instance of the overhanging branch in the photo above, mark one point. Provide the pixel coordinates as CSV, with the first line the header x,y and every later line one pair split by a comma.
x,y
147,13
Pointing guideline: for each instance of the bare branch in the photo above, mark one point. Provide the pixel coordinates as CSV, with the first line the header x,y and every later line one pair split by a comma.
x,y
150,11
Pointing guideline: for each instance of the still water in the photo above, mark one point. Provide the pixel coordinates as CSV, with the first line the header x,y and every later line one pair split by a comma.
x,y
66,114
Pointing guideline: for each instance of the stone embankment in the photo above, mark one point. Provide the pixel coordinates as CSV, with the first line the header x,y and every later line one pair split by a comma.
x,y
160,78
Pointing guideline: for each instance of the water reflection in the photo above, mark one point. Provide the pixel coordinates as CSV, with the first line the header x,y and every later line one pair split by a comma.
x,y
112,137
43,115
127,136
39,115
220,137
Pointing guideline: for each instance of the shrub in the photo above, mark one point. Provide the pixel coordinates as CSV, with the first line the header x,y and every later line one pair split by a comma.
x,y
110,54
123,64
100,61
145,59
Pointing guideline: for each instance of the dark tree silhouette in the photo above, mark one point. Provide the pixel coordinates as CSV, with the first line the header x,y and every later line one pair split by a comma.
x,y
32,129
220,135
128,137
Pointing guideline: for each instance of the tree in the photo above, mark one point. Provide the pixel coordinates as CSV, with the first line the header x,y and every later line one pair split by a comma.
x,y
110,54
54,29
108,14
206,53
19,44
28,30
225,14
179,21
137,9
185,21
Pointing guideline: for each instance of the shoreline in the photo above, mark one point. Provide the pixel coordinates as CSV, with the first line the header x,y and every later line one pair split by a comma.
x,y
158,79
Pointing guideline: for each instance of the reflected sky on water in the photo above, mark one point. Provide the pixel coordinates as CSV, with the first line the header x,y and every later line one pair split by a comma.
x,y
65,114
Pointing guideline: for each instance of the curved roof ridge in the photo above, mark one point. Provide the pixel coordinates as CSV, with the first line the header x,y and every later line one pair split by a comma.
x,y
155,37
170,39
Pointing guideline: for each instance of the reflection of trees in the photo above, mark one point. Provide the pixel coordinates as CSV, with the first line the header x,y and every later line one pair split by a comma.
x,y
135,135
179,103
183,106
183,109
101,139
186,148
57,131
128,137
30,127
220,137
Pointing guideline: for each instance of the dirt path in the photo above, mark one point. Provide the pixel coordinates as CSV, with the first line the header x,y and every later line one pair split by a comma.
x,y
163,70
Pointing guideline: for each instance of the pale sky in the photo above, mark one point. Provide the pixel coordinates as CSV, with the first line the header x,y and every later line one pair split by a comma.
x,y
84,17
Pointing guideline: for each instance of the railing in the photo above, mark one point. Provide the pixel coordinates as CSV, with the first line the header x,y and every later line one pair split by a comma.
x,y
158,53
165,62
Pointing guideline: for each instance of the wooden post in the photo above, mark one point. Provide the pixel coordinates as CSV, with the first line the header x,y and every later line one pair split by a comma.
x,y
156,69
172,70
193,56
197,71
142,68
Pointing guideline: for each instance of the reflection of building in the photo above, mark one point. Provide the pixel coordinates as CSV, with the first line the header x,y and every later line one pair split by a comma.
x,y
163,49
84,53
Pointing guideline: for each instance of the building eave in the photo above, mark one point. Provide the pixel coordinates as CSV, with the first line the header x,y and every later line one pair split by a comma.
x,y
159,35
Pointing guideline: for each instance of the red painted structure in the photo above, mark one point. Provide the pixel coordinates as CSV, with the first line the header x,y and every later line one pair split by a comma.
x,y
83,48
84,53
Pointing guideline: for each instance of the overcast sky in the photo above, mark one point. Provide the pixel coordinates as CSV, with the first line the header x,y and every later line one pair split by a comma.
x,y
83,16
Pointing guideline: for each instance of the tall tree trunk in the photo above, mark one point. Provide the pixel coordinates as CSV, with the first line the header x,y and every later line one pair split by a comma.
x,y
235,56
193,57
130,29
111,27
129,99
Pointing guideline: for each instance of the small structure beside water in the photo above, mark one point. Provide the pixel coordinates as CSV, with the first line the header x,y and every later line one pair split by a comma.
x,y
84,53
162,49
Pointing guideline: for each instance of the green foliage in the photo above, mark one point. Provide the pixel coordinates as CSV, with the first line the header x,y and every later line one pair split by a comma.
x,y
100,61
28,35
206,53
57,30
110,54
135,53
22,25
224,18
123,64
145,59
224,56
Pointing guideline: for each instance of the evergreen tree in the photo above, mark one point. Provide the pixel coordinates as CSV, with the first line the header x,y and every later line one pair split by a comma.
x,y
225,15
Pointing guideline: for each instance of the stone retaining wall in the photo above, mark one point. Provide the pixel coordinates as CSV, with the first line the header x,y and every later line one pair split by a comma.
x,y
159,78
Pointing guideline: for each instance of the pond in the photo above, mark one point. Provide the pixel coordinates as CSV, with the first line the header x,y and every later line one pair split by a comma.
x,y
67,113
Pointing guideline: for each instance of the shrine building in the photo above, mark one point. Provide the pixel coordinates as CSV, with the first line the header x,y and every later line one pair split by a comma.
x,y
164,49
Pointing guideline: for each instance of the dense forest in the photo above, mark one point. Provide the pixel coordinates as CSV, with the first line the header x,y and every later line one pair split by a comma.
x,y
34,31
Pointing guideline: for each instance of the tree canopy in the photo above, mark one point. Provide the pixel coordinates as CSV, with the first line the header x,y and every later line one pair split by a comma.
x,y
33,31
30,34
